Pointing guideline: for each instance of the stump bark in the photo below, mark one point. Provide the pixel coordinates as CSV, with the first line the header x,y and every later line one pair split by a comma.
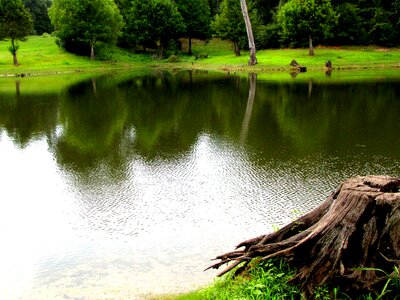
x,y
344,241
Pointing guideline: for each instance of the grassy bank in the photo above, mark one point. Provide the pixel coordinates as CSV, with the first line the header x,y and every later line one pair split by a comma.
x,y
269,280
40,55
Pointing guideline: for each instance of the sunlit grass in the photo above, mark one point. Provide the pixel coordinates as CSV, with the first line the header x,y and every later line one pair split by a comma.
x,y
270,280
220,54
41,55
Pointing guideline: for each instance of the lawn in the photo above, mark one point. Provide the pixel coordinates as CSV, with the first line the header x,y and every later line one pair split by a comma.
x,y
41,55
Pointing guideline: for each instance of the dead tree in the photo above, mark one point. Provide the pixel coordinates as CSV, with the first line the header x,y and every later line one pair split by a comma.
x,y
344,241
249,30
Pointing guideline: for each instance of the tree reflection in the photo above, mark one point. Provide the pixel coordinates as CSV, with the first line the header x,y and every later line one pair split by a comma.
x,y
27,117
249,108
106,122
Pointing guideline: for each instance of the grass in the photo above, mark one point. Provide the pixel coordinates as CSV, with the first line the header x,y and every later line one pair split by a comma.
x,y
220,55
269,280
40,55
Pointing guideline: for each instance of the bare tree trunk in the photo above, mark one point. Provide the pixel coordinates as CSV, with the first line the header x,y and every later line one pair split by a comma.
x,y
190,46
236,48
14,52
311,47
250,37
344,241
92,51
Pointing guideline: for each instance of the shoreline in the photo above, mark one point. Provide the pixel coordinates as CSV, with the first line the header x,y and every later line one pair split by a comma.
x,y
40,56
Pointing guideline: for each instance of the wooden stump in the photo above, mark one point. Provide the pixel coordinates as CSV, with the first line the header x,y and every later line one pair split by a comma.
x,y
355,231
296,66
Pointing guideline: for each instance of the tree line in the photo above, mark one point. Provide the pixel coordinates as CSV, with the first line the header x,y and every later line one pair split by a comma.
x,y
82,26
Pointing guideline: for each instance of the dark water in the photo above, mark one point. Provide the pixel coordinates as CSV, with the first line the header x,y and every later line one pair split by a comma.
x,y
120,186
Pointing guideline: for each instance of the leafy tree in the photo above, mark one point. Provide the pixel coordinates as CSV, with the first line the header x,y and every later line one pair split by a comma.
x,y
38,10
86,21
348,29
154,21
265,9
306,18
197,18
229,24
15,24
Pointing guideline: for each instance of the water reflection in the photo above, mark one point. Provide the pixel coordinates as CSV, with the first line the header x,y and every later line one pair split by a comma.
x,y
114,181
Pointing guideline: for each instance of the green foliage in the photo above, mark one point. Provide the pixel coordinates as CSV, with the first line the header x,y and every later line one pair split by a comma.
x,y
38,10
382,30
267,280
85,22
13,49
15,20
390,289
173,58
265,9
267,36
348,29
229,24
300,19
15,24
153,21
197,18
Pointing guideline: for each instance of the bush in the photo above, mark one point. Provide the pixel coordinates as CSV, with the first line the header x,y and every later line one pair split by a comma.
x,y
267,36
173,58
201,55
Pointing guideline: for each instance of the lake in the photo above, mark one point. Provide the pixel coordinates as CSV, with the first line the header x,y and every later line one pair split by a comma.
x,y
126,185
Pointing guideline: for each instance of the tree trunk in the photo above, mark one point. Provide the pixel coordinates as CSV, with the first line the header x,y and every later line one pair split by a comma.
x,y
92,51
343,242
14,52
190,46
310,46
236,48
250,37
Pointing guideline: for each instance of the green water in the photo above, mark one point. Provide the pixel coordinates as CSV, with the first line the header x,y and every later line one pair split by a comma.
x,y
118,186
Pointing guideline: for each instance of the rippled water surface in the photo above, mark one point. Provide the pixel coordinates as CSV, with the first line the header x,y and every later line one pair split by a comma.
x,y
121,186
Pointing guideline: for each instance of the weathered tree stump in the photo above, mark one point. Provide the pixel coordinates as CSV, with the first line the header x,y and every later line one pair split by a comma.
x,y
328,65
296,66
355,231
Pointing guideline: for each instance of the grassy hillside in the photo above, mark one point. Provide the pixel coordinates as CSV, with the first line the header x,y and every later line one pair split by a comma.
x,y
40,55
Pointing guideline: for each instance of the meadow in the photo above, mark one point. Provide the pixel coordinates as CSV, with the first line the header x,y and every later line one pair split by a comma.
x,y
40,55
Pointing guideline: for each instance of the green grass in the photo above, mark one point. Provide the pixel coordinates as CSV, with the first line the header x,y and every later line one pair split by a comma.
x,y
221,55
40,55
269,280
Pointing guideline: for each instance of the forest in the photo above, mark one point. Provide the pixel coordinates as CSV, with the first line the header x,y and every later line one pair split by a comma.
x,y
82,26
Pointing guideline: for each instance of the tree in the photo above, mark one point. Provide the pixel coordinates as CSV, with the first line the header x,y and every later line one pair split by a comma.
x,y
348,30
15,24
229,24
249,30
86,21
197,17
149,22
351,239
309,18
265,9
38,10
